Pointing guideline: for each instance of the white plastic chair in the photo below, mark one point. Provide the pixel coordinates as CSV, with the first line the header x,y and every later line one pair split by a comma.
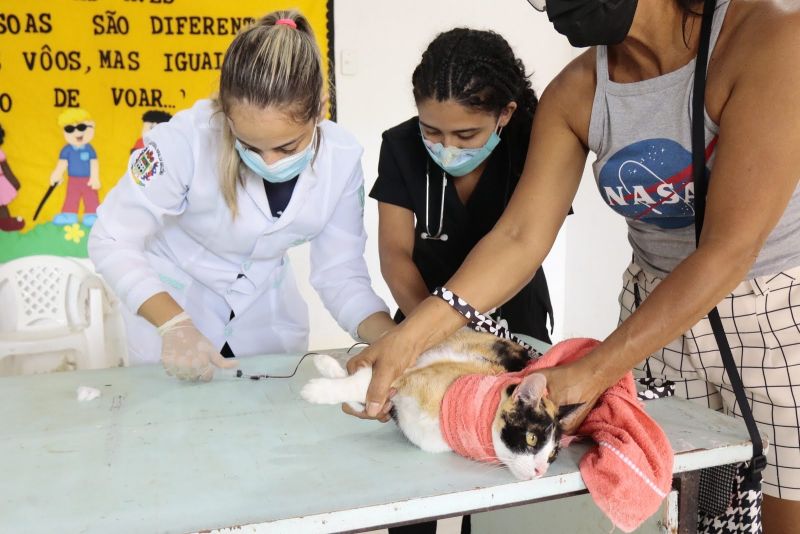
x,y
52,305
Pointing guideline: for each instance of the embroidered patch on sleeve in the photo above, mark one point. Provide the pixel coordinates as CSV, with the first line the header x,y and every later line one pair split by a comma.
x,y
147,165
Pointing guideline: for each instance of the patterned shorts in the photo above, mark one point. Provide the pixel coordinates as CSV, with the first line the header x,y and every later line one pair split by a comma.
x,y
761,318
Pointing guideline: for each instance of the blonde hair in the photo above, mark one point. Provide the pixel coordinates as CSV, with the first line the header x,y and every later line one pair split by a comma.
x,y
73,116
268,64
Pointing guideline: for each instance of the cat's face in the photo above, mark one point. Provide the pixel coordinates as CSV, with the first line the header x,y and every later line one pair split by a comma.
x,y
526,430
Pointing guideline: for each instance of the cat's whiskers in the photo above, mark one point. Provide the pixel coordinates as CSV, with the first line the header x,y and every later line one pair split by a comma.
x,y
497,467
490,459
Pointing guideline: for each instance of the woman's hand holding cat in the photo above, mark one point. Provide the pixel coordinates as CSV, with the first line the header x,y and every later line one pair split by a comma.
x,y
389,357
383,416
576,384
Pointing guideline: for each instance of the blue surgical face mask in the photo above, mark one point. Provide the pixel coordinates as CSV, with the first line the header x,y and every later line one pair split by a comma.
x,y
282,170
461,161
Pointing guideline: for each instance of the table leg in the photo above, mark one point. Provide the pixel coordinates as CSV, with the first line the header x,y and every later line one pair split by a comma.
x,y
687,484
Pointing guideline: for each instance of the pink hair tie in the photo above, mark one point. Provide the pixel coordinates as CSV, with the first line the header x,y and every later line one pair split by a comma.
x,y
287,22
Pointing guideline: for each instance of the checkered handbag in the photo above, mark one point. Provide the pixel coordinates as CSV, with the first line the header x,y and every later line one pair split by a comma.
x,y
730,497
729,501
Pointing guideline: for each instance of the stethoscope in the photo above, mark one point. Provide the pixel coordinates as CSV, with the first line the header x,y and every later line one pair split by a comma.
x,y
439,236
427,234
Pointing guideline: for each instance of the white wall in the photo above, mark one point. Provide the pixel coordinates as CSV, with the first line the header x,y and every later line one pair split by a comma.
x,y
597,254
383,41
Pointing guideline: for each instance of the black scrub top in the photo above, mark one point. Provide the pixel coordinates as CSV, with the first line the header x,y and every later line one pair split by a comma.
x,y
401,181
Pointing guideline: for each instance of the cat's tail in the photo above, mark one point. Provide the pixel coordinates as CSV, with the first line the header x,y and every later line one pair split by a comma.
x,y
336,386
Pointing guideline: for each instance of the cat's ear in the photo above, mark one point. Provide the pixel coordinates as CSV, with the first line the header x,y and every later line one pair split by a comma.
x,y
532,388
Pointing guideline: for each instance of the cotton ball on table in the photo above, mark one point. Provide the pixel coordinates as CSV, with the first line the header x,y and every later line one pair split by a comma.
x,y
85,393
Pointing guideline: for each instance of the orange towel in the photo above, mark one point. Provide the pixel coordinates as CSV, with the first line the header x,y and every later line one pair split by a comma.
x,y
467,414
630,471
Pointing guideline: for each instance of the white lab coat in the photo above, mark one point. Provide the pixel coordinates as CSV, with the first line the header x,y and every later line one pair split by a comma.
x,y
175,233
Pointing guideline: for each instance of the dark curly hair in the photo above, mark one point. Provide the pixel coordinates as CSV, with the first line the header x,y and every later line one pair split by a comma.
x,y
477,69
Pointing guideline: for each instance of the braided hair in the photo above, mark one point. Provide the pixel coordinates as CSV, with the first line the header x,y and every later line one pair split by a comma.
x,y
477,69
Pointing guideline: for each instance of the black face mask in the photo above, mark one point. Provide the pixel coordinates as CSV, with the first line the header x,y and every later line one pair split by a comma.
x,y
591,22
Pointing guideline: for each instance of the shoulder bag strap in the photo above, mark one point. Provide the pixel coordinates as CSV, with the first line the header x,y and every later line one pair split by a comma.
x,y
700,174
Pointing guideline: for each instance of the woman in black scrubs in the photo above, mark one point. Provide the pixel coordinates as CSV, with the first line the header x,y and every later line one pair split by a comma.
x,y
469,87
453,169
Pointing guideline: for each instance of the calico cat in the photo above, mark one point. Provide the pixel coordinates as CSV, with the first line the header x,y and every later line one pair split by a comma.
x,y
525,431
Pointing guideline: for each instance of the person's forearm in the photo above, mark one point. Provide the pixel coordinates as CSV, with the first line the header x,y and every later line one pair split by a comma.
x,y
487,284
159,309
430,323
697,285
405,282
375,326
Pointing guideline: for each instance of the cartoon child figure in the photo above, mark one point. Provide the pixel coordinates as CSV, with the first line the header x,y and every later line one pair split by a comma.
x,y
79,160
9,185
150,119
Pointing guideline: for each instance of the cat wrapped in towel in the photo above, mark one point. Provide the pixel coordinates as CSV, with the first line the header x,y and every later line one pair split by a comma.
x,y
481,396
468,395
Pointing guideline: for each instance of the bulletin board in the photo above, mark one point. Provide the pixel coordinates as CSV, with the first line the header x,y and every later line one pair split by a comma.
x,y
116,60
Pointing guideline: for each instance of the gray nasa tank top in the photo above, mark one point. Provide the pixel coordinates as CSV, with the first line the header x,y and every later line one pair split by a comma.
x,y
641,134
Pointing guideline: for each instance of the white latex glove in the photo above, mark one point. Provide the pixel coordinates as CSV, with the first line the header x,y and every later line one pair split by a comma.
x,y
188,354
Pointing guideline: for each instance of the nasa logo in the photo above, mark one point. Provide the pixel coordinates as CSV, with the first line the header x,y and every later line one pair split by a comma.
x,y
651,181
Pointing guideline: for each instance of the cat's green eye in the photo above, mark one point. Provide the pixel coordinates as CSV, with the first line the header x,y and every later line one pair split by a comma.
x,y
553,455
531,438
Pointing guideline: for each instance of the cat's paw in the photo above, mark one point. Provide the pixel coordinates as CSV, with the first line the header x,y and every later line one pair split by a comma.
x,y
329,367
321,391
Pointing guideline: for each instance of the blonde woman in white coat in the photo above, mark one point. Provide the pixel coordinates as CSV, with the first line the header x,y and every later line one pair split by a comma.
x,y
194,238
